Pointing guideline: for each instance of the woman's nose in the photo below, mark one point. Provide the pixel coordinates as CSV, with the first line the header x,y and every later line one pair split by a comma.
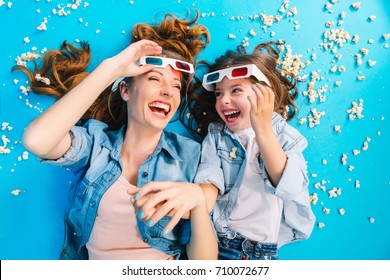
x,y
166,90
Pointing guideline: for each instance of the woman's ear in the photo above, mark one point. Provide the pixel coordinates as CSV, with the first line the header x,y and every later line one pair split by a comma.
x,y
124,91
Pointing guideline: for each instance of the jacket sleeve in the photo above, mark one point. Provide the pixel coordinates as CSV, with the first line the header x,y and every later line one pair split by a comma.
x,y
210,170
78,156
298,218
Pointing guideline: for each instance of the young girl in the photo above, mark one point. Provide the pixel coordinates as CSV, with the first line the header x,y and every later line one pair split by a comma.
x,y
125,146
251,158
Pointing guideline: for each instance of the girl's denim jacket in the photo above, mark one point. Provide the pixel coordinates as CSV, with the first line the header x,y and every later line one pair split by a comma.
x,y
223,164
95,158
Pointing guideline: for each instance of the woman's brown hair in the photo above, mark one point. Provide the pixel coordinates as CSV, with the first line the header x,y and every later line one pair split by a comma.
x,y
67,67
201,103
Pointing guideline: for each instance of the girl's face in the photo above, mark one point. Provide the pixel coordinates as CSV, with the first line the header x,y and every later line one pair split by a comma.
x,y
154,97
232,102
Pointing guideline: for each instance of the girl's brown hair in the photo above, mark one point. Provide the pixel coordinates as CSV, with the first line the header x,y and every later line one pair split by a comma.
x,y
201,103
67,67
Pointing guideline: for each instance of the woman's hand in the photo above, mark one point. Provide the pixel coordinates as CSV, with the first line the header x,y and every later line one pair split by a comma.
x,y
262,107
126,59
158,199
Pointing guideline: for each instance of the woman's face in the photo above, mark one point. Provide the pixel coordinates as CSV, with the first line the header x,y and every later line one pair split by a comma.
x,y
232,103
154,97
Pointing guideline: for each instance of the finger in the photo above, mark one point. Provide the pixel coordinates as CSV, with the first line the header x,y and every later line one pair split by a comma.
x,y
263,92
143,69
160,213
172,223
158,198
147,216
153,187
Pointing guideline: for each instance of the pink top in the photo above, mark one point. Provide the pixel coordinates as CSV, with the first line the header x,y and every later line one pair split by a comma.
x,y
115,234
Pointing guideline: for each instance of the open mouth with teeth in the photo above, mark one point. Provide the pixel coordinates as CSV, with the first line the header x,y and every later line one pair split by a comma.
x,y
160,109
231,115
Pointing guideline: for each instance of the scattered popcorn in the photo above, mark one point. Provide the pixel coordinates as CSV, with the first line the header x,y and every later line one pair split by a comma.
x,y
252,32
314,175
342,211
386,46
386,36
371,41
358,58
357,184
324,161
351,167
97,31
355,152
361,78
372,18
338,83
326,210
365,146
314,117
15,192
356,110
355,39
364,51
44,80
232,154
43,26
25,155
320,225
232,36
26,40
314,199
371,63
341,69
4,149
302,120
371,220
334,192
337,128
356,5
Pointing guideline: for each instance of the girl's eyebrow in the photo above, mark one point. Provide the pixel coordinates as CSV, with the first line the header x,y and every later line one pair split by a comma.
x,y
231,86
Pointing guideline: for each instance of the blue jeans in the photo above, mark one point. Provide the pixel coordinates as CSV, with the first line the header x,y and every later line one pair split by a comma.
x,y
241,248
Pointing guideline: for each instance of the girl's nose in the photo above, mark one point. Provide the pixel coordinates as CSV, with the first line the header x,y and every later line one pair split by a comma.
x,y
225,99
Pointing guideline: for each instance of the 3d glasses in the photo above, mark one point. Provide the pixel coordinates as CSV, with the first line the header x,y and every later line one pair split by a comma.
x,y
238,72
162,62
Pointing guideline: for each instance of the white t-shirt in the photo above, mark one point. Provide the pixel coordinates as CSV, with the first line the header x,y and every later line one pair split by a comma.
x,y
257,214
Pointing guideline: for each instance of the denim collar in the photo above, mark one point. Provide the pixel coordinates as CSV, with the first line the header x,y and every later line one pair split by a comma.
x,y
166,142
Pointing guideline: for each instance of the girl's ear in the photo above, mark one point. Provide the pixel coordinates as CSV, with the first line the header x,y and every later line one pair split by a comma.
x,y
124,91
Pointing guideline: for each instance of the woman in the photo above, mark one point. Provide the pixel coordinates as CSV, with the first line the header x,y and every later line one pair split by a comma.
x,y
129,149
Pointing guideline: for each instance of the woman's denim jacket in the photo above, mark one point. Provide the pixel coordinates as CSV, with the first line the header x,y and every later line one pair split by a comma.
x,y
224,167
95,158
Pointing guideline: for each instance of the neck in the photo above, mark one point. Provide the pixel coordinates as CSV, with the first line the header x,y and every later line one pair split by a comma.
x,y
139,140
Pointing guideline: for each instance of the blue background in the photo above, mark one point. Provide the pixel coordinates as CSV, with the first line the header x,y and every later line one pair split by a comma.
x,y
31,223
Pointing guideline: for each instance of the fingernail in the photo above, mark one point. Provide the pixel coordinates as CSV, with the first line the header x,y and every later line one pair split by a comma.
x,y
140,214
150,223
136,196
254,85
165,231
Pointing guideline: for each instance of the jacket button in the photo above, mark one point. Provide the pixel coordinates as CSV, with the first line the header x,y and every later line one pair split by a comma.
x,y
145,174
145,240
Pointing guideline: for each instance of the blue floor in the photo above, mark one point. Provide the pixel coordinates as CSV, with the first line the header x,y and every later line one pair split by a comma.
x,y
33,196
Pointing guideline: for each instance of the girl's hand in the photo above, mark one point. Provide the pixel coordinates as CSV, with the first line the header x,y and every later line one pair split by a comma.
x,y
126,59
262,107
167,198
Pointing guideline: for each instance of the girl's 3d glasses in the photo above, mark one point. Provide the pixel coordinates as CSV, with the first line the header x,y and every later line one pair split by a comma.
x,y
162,62
237,72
